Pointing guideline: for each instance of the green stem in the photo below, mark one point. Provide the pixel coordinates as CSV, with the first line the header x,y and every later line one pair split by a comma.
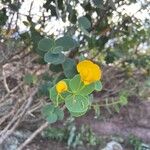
x,y
82,87
69,92
61,96
109,104
57,100
79,86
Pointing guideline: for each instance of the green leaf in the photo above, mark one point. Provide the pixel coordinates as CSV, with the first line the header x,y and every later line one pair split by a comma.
x,y
85,32
57,49
30,79
84,22
53,95
69,67
35,37
98,86
123,100
52,118
56,68
59,113
43,88
75,83
116,107
87,89
77,103
49,114
49,57
52,113
66,42
39,52
45,44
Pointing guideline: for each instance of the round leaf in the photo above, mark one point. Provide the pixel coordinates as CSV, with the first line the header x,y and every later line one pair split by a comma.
x,y
123,100
77,103
52,118
75,83
59,113
84,23
53,93
98,86
69,68
49,57
87,89
57,49
49,114
45,44
66,42
30,79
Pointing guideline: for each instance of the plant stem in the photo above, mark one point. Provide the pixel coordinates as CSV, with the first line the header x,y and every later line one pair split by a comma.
x,y
69,92
109,104
57,100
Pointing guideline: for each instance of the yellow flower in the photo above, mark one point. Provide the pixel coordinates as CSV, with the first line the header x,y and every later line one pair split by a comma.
x,y
61,86
89,72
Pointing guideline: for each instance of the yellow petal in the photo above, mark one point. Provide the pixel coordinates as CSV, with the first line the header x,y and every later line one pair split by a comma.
x,y
89,72
61,86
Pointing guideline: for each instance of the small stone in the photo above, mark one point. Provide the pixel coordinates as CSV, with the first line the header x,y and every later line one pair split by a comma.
x,y
10,144
113,146
14,140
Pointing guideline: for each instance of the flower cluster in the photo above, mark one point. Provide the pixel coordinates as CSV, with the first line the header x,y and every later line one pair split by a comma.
x,y
89,73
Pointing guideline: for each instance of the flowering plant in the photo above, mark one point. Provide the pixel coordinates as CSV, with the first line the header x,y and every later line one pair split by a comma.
x,y
74,93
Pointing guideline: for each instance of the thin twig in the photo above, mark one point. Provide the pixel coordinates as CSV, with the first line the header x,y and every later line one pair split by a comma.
x,y
57,9
5,82
11,91
35,133
13,120
40,129
6,117
9,132
6,132
31,8
34,108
